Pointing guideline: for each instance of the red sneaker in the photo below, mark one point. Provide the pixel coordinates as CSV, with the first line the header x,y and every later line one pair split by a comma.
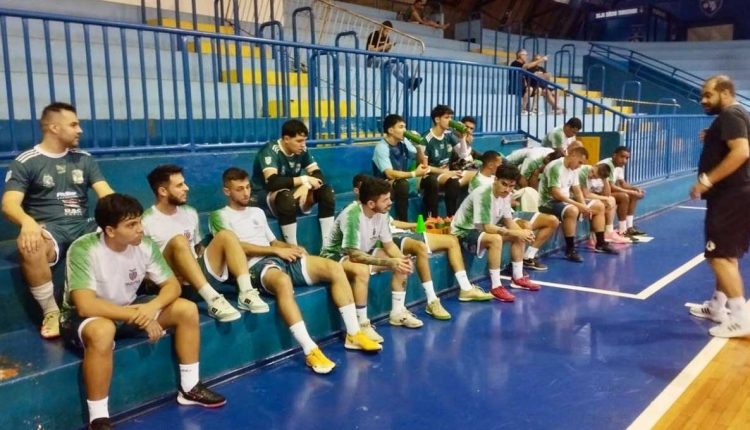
x,y
502,294
524,284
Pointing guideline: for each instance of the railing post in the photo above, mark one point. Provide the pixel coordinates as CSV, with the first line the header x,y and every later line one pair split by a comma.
x,y
188,96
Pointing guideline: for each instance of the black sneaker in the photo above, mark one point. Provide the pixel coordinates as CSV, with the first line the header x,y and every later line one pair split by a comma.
x,y
200,395
605,248
100,424
573,256
415,83
633,231
534,264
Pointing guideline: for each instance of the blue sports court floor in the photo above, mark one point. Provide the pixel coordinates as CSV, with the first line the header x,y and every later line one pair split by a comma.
x,y
591,350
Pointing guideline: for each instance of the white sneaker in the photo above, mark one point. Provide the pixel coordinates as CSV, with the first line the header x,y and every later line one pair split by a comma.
x,y
405,318
732,327
704,311
250,301
221,310
370,332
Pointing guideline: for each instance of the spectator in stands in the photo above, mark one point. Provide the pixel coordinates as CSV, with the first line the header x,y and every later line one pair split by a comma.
x,y
361,240
287,179
414,14
523,85
484,220
277,267
46,194
562,137
392,160
378,41
464,156
175,227
105,270
627,195
559,180
440,144
539,87
594,183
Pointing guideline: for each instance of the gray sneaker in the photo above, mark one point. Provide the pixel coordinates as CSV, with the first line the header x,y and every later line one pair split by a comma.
x,y
404,318
222,311
250,301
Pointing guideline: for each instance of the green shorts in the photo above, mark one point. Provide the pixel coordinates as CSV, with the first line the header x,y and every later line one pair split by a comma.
x,y
63,234
297,271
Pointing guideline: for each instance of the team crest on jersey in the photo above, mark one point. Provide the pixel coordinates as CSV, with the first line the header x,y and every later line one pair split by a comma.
x,y
188,235
60,168
77,176
8,175
132,274
47,181
710,7
710,246
267,160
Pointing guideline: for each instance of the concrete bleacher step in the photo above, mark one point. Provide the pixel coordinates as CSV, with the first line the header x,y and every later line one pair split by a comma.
x,y
622,109
257,77
188,25
323,109
228,48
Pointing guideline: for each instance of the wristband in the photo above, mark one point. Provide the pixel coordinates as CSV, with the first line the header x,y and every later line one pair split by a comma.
x,y
703,179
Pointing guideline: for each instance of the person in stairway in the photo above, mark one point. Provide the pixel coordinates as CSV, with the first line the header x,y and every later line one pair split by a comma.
x,y
287,180
522,86
541,88
277,267
105,271
562,137
46,194
175,227
378,41
414,14
626,195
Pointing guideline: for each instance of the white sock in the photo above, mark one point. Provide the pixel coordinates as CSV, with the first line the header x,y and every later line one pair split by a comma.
x,y
429,291
629,220
398,300
718,301
609,228
45,295
495,278
189,376
98,408
530,252
299,331
463,280
326,225
243,282
208,293
623,226
517,269
362,314
349,315
290,233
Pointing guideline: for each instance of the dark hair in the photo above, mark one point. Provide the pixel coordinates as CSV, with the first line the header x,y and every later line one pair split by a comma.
x,y
359,178
439,111
574,123
56,107
387,24
371,189
721,83
620,149
554,155
489,156
115,208
391,120
294,128
234,174
603,171
470,119
159,177
508,172
579,150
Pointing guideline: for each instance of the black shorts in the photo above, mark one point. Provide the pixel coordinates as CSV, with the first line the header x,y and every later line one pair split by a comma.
x,y
727,225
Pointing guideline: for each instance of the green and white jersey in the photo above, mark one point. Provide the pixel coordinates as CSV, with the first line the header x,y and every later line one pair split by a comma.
x,y
595,185
479,208
557,139
439,149
113,276
272,156
249,224
615,173
556,175
479,180
161,228
353,229
533,160
55,186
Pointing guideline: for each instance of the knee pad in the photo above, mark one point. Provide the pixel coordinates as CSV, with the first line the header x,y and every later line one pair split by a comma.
x,y
285,207
326,201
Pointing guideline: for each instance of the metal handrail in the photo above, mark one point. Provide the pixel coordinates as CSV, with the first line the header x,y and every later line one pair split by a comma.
x,y
623,89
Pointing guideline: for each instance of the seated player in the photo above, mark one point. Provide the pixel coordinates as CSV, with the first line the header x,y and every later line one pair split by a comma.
x,y
286,178
533,165
491,160
104,272
562,137
174,226
476,225
464,156
594,183
626,195
277,267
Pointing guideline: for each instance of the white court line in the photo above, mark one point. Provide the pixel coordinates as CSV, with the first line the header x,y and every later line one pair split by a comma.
x,y
661,404
691,207
671,276
586,289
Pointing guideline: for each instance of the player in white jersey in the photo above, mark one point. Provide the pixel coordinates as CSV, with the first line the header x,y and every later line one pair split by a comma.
x,y
626,195
491,160
361,240
277,267
174,226
594,183
104,272
477,225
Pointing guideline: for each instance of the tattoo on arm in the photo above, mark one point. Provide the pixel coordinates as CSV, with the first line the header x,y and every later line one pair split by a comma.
x,y
357,256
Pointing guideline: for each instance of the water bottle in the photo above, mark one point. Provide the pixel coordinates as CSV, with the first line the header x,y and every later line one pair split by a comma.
x,y
415,138
458,126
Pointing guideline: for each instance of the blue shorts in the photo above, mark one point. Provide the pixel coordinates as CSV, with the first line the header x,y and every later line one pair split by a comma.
x,y
297,271
63,234
470,243
400,239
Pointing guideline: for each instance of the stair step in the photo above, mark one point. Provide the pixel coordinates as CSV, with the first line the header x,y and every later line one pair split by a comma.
x,y
323,109
492,52
622,109
589,94
250,77
188,25
227,48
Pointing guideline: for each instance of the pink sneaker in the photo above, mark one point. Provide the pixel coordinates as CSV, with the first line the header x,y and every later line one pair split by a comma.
x,y
616,237
524,284
502,294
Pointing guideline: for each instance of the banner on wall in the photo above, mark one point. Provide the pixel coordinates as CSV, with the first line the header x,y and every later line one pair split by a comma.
x,y
710,7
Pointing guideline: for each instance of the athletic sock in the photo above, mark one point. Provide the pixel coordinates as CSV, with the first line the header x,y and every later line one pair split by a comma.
x,y
609,228
349,316
189,376
398,300
243,282
463,280
570,243
429,291
362,314
623,227
45,295
299,331
530,252
289,232
98,408
517,269
208,293
629,221
495,278
718,300
599,238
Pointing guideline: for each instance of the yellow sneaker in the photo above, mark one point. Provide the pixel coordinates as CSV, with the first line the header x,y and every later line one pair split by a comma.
x,y
436,310
370,332
51,325
318,362
475,294
360,341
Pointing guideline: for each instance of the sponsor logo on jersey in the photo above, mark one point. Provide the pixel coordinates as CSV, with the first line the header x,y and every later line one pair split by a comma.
x,y
47,181
60,168
8,175
267,160
710,246
77,176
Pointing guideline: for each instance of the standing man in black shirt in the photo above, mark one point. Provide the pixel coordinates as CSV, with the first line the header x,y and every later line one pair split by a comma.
x,y
378,41
724,182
